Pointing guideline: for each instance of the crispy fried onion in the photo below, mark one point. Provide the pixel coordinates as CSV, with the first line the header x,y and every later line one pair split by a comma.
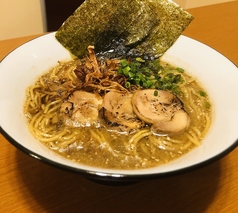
x,y
100,75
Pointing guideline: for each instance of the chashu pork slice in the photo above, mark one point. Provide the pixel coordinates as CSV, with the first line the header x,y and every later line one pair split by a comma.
x,y
81,109
178,123
118,113
162,109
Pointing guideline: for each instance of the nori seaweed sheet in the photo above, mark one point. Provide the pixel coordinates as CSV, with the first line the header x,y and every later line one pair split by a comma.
x,y
116,28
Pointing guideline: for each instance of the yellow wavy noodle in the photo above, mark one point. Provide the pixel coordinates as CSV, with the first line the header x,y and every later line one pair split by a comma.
x,y
139,150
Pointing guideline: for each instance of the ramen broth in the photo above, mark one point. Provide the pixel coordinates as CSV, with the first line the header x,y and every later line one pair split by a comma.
x,y
102,145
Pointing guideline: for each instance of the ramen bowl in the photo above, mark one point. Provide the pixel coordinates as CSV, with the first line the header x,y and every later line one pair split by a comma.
x,y
217,74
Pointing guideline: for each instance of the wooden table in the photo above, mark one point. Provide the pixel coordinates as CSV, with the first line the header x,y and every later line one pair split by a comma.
x,y
27,185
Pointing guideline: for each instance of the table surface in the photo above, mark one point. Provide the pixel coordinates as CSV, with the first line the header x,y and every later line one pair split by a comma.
x,y
28,185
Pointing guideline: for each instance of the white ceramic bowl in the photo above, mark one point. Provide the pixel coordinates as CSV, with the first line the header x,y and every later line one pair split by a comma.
x,y
217,74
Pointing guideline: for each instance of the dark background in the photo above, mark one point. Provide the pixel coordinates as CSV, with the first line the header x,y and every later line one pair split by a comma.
x,y
57,11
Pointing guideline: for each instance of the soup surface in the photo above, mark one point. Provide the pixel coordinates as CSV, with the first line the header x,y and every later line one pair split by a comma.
x,y
70,110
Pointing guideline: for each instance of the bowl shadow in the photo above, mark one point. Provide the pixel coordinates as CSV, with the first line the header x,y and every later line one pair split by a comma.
x,y
56,191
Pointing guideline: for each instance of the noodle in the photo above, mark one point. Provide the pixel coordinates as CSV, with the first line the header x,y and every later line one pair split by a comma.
x,y
134,141
112,149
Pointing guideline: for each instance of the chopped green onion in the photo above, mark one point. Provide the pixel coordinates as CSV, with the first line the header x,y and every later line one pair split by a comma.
x,y
124,63
150,74
131,75
140,59
126,70
207,105
128,84
180,69
202,93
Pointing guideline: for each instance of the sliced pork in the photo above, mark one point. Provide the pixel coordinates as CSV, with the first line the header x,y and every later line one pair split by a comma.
x,y
162,109
81,109
117,112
